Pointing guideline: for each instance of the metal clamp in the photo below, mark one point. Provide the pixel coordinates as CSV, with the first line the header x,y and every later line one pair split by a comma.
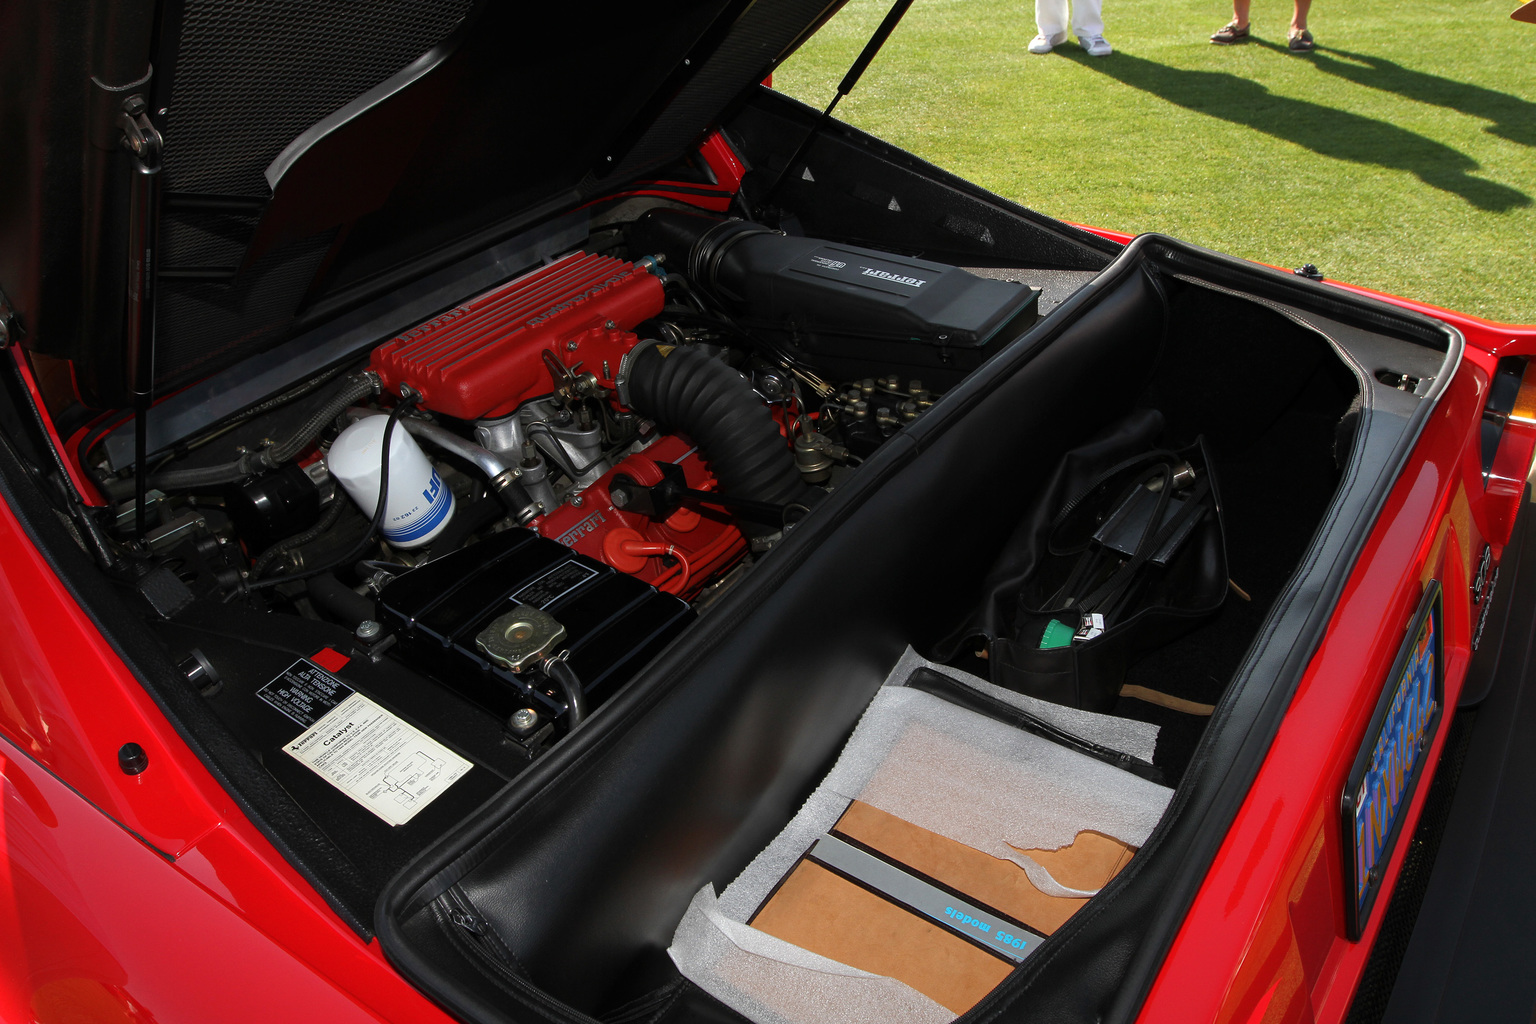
x,y
621,380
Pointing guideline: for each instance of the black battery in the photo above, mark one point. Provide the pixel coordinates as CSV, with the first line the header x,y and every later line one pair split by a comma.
x,y
614,623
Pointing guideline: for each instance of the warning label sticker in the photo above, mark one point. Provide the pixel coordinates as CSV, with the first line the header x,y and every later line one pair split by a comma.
x,y
305,692
555,584
387,765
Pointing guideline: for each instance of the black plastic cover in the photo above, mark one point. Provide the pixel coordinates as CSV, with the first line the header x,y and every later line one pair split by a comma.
x,y
614,623
847,310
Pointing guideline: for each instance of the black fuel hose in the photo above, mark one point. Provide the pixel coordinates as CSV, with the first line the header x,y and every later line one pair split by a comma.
x,y
693,393
282,547
570,685
339,599
351,391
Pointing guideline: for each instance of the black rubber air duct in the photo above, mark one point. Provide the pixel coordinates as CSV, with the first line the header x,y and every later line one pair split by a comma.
x,y
691,393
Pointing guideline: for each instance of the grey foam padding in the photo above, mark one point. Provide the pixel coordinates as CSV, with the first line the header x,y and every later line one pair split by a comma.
x,y
943,768
1126,735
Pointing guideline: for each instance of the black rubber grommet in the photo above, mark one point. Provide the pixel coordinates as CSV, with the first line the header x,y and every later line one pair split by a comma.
x,y
132,759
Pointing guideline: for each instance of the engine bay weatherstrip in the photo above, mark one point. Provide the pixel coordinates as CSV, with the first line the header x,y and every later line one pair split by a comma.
x,y
985,928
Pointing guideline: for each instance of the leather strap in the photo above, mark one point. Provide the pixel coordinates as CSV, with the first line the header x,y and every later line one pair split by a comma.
x,y
1167,700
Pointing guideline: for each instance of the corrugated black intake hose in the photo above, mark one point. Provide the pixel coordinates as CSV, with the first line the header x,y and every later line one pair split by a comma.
x,y
351,391
695,394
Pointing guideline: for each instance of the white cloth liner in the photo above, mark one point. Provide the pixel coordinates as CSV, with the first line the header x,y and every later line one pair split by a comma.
x,y
943,768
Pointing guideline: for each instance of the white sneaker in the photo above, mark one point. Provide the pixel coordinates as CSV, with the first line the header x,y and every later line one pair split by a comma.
x,y
1097,46
1043,43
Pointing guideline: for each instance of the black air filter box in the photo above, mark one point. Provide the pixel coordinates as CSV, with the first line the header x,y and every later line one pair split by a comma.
x,y
614,623
847,311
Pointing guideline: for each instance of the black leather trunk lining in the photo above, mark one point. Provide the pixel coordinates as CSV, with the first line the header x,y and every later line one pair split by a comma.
x,y
1275,463
585,863
929,681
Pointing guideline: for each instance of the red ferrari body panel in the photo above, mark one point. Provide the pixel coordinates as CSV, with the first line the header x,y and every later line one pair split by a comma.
x,y
97,926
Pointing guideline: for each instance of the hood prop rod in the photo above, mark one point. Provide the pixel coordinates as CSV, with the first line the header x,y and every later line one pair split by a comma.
x,y
876,41
142,140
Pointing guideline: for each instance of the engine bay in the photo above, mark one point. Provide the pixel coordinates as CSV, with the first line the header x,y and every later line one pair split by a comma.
x,y
582,459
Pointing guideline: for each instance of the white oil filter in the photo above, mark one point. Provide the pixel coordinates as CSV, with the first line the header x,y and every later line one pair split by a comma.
x,y
419,506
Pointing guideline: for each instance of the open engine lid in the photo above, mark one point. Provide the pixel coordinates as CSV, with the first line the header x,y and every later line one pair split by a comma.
x,y
315,161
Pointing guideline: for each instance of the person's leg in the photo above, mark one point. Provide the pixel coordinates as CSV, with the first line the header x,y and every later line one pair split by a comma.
x,y
1300,39
1051,19
1236,30
1088,18
1298,16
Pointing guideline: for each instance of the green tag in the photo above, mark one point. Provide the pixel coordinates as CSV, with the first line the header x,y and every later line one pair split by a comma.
x,y
1057,634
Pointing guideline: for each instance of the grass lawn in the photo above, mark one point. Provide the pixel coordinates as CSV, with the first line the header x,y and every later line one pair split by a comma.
x,y
1401,155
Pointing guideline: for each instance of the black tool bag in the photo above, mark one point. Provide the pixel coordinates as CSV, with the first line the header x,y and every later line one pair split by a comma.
x,y
1121,554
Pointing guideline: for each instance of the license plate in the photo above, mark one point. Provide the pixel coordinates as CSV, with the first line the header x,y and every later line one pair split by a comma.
x,y
1391,759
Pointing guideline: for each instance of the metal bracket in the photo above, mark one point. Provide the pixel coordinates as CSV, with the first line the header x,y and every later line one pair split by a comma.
x,y
140,137
654,502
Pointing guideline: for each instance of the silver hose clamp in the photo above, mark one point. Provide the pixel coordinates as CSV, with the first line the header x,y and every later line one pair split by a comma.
x,y
627,364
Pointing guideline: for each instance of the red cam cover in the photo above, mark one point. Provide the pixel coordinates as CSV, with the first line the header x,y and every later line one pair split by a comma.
x,y
484,358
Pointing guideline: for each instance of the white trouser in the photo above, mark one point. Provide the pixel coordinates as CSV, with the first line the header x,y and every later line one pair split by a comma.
x,y
1087,17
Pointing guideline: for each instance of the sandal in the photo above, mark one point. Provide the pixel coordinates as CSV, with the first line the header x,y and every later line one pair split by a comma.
x,y
1301,42
1230,33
